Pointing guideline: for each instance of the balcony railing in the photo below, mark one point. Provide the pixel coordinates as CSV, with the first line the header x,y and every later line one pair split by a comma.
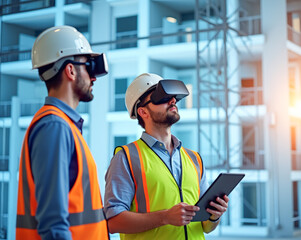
x,y
183,34
251,96
127,39
5,109
10,7
186,33
13,53
296,160
250,25
293,35
77,1
248,160
30,107
251,161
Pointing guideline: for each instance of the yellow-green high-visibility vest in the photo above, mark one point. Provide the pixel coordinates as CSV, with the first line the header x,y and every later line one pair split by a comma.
x,y
156,189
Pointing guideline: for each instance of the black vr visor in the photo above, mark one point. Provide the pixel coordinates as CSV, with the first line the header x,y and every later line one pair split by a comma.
x,y
166,90
97,66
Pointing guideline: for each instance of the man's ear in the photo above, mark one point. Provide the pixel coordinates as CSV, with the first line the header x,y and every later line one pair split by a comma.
x,y
70,71
142,112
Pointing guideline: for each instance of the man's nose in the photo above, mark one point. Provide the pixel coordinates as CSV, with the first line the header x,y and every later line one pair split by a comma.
x,y
172,101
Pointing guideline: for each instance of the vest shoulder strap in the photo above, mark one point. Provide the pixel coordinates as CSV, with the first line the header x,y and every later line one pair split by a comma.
x,y
133,156
196,160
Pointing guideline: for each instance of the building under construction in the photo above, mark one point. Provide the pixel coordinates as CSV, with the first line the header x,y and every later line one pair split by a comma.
x,y
240,60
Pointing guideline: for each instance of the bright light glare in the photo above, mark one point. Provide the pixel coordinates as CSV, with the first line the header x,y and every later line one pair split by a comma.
x,y
295,111
171,19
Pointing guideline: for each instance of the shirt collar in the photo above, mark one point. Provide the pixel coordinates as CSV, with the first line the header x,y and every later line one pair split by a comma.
x,y
72,114
151,141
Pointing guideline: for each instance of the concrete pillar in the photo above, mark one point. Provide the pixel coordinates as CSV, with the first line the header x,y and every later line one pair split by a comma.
x,y
143,23
277,122
59,16
235,136
98,125
13,168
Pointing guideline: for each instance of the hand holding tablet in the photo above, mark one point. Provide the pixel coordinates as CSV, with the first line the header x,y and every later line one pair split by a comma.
x,y
222,185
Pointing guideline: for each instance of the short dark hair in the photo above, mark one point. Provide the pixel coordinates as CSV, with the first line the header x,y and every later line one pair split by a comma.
x,y
140,120
55,81
141,103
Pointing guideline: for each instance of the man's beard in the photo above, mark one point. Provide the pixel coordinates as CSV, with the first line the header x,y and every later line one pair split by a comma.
x,y
82,89
167,118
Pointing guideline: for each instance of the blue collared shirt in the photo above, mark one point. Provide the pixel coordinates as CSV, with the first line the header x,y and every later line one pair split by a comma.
x,y
54,169
120,188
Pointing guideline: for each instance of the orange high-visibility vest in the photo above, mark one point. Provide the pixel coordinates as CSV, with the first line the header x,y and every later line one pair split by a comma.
x,y
86,217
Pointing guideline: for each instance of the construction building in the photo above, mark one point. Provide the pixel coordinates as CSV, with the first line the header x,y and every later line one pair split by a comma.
x,y
241,61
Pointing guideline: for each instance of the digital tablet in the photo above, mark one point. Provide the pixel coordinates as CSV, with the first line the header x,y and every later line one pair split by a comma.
x,y
222,185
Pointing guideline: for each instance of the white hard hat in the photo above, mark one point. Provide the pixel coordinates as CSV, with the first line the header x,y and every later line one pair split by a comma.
x,y
58,42
137,88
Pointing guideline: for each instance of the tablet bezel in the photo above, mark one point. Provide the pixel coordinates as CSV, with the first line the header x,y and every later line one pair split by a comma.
x,y
222,185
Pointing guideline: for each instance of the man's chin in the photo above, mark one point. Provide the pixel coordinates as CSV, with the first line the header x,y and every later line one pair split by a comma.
x,y
87,99
173,119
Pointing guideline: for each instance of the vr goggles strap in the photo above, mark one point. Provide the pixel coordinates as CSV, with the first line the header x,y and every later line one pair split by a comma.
x,y
50,73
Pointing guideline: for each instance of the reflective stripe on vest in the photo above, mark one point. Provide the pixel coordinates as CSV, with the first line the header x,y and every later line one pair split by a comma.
x,y
155,184
85,206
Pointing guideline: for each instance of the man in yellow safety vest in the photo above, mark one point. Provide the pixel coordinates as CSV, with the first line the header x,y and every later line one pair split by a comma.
x,y
153,183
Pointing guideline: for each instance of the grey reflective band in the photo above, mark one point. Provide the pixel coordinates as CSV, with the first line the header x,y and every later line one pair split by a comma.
x,y
196,163
26,221
75,219
85,179
134,156
86,217
26,191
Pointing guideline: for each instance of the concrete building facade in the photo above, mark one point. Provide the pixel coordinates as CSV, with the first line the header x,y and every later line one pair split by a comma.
x,y
241,61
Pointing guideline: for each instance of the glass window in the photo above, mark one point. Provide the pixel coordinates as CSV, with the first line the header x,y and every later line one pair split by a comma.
x,y
4,148
120,89
248,136
253,212
126,28
3,209
297,205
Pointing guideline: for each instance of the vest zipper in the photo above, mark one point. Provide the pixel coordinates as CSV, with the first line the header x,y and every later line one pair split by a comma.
x,y
182,200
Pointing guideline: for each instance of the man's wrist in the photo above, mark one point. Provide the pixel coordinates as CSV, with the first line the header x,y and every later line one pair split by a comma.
x,y
214,220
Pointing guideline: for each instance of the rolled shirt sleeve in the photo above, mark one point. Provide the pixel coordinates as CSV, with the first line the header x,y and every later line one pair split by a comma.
x,y
120,188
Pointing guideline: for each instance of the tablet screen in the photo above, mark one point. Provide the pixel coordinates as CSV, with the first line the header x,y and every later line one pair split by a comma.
x,y
222,185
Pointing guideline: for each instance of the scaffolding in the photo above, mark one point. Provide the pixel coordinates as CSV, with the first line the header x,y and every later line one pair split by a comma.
x,y
228,107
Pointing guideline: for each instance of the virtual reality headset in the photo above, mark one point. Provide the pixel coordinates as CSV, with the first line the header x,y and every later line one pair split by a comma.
x,y
97,66
167,89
